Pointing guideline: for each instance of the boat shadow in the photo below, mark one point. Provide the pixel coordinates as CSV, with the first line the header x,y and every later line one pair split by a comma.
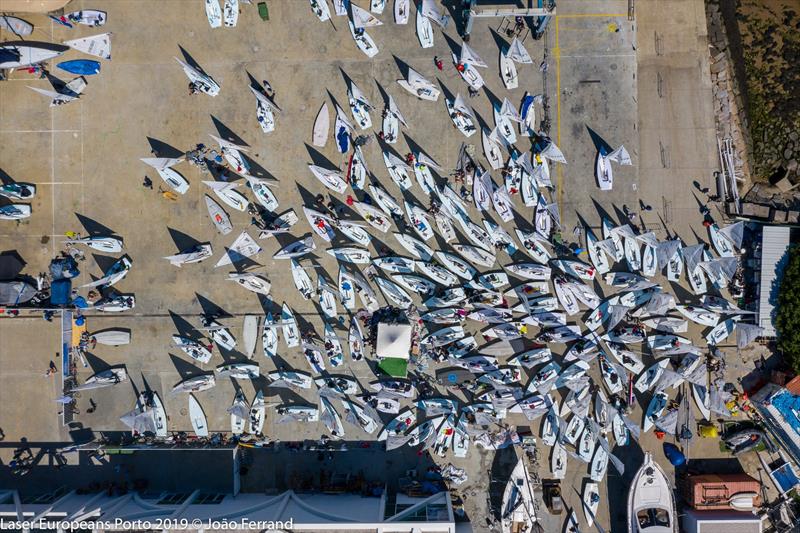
x,y
182,240
159,148
600,144
226,133
93,227
320,160
191,60
617,486
186,369
184,327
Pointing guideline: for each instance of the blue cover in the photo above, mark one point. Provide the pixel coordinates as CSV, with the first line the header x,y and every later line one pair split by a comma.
x,y
343,139
60,291
527,103
673,454
81,67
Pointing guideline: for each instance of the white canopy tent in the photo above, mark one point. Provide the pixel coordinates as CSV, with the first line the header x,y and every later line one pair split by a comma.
x,y
393,340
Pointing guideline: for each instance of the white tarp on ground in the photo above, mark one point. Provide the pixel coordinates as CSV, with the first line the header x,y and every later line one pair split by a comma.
x,y
394,340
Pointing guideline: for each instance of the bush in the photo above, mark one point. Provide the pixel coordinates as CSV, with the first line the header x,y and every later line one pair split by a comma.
x,y
787,315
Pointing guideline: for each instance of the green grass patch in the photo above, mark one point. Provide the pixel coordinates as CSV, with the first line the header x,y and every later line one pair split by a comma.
x,y
397,368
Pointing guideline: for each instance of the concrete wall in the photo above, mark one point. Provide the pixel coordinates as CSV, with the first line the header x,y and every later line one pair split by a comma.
x,y
727,77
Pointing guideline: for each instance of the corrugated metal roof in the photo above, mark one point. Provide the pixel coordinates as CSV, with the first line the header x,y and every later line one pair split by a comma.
x,y
721,522
774,243
714,491
727,527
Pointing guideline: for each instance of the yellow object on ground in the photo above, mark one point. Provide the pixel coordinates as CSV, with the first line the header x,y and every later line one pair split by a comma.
x,y
709,431
77,331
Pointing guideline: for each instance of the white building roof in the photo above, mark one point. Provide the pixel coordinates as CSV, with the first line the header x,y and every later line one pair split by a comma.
x,y
394,340
774,243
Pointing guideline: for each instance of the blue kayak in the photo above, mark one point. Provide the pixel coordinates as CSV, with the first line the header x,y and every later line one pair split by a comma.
x,y
82,67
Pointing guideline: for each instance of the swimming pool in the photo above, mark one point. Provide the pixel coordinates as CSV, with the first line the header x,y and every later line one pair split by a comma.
x,y
788,405
785,477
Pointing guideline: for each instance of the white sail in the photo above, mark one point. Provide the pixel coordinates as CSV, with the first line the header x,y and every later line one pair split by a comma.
x,y
614,460
649,239
358,94
363,18
553,153
620,156
721,267
415,79
228,145
96,45
665,251
424,159
341,120
747,333
461,105
262,99
393,109
244,246
517,52
734,233
139,421
161,163
55,98
470,57
660,304
692,255
430,10
508,110
554,214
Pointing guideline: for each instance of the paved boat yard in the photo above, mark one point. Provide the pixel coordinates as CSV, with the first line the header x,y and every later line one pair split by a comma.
x,y
641,83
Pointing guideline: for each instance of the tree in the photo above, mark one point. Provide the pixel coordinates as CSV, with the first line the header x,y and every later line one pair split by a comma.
x,y
787,314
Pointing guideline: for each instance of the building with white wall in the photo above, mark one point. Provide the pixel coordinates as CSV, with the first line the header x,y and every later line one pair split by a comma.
x,y
197,510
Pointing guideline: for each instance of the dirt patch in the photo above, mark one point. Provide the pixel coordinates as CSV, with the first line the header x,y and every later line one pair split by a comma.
x,y
770,46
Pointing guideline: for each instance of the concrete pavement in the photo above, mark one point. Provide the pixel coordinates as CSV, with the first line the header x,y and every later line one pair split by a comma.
x,y
603,76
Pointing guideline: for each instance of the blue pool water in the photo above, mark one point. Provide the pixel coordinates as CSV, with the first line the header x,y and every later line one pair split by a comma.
x,y
785,477
788,405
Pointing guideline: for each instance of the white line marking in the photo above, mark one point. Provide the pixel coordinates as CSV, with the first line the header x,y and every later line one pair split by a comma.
x,y
83,189
53,174
597,55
